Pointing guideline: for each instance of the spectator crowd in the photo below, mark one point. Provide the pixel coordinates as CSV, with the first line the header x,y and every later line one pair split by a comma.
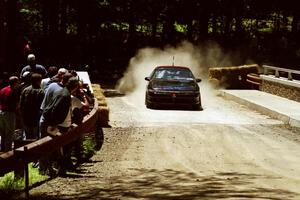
x,y
42,102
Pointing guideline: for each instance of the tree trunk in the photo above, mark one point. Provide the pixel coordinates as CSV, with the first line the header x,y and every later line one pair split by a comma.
x,y
53,17
3,34
295,23
190,29
63,20
227,25
11,35
80,20
238,25
203,26
154,29
45,18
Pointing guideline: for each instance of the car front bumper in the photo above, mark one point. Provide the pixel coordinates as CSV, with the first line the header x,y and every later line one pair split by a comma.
x,y
173,98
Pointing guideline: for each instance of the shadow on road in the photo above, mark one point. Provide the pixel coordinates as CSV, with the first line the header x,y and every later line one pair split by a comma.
x,y
170,184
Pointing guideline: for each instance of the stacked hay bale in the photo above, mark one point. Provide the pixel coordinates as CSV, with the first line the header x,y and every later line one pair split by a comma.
x,y
103,109
234,77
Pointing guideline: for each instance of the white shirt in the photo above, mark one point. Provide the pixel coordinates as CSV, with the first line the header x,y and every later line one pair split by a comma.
x,y
75,103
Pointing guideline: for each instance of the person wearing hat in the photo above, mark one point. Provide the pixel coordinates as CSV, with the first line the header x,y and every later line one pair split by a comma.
x,y
32,67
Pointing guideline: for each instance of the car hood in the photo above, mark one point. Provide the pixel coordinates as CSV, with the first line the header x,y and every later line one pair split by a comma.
x,y
174,85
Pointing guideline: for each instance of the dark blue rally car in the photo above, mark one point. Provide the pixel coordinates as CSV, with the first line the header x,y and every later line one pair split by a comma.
x,y
174,86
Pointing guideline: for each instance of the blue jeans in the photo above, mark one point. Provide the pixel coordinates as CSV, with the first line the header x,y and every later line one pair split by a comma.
x,y
7,129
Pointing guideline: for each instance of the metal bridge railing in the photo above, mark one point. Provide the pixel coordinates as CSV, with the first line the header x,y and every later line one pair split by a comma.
x,y
277,70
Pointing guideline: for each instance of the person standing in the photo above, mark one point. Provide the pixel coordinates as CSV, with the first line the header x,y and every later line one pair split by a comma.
x,y
80,106
48,98
57,112
32,67
30,103
56,117
9,100
52,71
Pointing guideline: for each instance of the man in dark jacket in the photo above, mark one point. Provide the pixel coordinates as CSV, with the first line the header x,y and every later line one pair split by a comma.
x,y
59,109
48,101
30,102
55,112
32,67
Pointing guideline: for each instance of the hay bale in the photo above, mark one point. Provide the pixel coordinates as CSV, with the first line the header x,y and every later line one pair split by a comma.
x,y
233,77
99,95
103,110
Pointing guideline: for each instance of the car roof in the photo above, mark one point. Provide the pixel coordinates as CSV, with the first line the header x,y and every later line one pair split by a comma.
x,y
172,66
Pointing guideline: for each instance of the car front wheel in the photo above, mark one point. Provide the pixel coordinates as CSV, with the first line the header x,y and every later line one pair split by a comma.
x,y
197,107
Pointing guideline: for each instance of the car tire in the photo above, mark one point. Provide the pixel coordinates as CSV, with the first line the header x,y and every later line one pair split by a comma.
x,y
197,107
150,105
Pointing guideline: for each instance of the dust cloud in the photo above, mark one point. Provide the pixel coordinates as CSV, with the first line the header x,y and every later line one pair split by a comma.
x,y
198,59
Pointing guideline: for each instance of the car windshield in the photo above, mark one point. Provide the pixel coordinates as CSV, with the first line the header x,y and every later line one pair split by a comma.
x,y
173,73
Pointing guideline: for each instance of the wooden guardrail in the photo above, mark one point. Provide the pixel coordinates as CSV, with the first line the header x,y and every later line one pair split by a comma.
x,y
277,70
21,156
233,77
254,79
46,145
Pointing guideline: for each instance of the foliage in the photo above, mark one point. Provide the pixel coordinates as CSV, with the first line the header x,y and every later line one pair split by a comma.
x,y
101,32
89,147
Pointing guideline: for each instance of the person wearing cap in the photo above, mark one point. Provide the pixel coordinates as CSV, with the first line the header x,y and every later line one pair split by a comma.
x,y
9,101
32,67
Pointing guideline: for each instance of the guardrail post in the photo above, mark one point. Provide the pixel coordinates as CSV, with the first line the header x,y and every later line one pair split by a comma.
x,y
265,71
99,136
290,77
18,170
26,172
277,74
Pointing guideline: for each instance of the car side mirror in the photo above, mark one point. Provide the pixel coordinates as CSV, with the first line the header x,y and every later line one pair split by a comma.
x,y
198,80
147,78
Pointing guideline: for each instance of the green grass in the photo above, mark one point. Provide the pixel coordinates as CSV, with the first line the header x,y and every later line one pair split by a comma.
x,y
89,147
9,183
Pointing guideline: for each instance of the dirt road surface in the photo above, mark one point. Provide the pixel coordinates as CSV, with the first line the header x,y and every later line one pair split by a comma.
x,y
225,151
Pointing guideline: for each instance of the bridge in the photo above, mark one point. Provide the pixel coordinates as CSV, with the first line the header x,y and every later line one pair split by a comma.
x,y
278,95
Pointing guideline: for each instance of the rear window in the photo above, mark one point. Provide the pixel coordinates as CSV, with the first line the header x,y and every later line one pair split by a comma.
x,y
173,73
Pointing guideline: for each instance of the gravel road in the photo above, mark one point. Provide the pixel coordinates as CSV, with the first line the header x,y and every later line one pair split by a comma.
x,y
225,151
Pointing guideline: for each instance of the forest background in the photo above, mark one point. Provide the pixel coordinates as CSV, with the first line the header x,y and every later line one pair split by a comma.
x,y
105,34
